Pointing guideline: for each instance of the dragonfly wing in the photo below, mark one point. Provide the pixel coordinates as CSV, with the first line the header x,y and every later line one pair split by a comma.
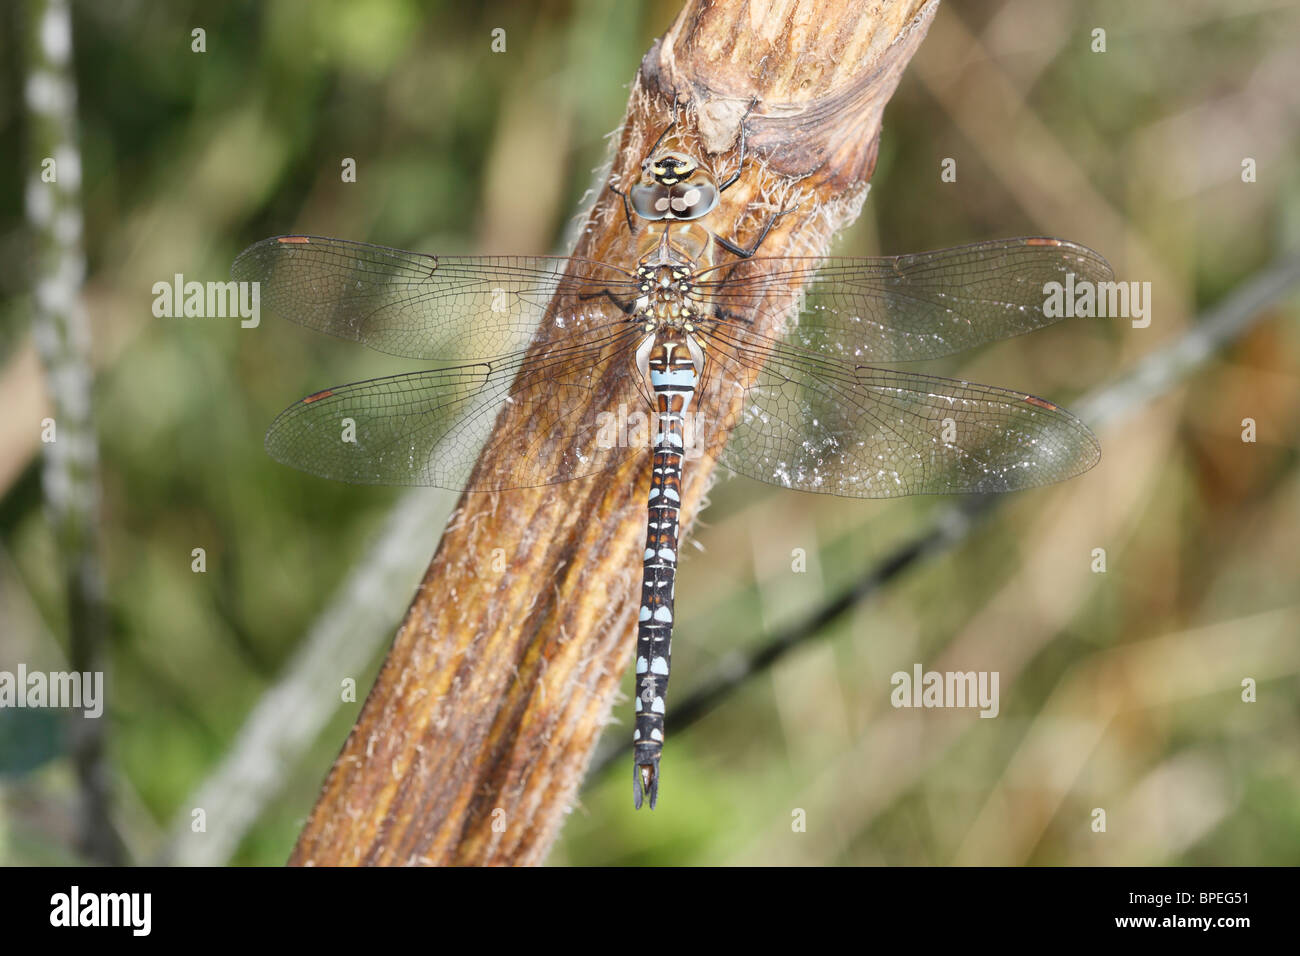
x,y
446,308
427,428
905,308
821,425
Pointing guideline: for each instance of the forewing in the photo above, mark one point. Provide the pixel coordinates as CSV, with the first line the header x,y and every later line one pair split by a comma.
x,y
445,308
903,308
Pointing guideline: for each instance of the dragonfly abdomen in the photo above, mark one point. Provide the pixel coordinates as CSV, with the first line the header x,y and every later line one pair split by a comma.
x,y
673,376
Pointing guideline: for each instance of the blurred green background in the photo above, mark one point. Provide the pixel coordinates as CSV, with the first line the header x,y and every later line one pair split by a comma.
x,y
1119,690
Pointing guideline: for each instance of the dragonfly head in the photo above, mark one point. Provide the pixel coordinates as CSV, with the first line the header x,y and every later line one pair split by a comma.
x,y
669,169
673,186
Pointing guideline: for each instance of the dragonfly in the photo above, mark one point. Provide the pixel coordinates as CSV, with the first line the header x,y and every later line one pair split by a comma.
x,y
539,357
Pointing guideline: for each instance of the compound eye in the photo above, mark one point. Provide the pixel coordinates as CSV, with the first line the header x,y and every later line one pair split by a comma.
x,y
692,200
651,202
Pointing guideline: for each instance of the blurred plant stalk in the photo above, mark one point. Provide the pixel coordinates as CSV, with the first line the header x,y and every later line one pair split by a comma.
x,y
61,330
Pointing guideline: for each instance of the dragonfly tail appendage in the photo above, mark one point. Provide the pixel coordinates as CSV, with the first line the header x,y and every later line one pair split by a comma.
x,y
645,781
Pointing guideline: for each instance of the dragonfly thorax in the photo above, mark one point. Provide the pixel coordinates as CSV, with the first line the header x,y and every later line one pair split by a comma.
x,y
667,300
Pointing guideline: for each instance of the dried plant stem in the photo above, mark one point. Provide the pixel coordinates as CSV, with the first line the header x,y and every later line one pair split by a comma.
x,y
475,737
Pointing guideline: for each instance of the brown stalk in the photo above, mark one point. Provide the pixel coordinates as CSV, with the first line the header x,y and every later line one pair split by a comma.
x,y
476,735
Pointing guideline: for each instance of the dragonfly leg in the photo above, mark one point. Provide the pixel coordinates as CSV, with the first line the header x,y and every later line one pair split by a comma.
x,y
743,253
740,161
627,308
667,129
627,206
